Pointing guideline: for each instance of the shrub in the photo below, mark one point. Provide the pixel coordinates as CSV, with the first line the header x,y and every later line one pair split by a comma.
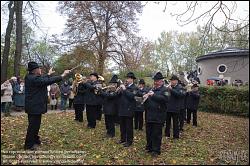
x,y
226,100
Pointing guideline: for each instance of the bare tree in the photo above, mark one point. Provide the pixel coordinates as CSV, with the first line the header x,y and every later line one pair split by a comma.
x,y
4,64
128,54
100,24
210,13
18,5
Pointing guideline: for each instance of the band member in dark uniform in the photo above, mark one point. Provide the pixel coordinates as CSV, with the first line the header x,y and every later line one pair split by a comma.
x,y
36,99
182,106
138,113
100,106
92,100
110,105
193,98
126,110
80,91
173,110
155,104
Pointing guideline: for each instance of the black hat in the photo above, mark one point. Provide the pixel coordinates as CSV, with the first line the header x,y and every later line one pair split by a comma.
x,y
131,75
94,74
174,77
32,66
195,85
158,76
114,79
141,81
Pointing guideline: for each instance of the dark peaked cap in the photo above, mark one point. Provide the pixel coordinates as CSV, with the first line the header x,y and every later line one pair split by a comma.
x,y
158,76
114,79
94,74
131,75
174,77
141,81
32,66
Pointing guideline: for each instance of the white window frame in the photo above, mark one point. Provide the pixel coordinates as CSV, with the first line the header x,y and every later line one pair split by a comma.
x,y
220,66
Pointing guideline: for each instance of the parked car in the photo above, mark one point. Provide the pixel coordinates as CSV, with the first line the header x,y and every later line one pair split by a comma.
x,y
216,81
237,83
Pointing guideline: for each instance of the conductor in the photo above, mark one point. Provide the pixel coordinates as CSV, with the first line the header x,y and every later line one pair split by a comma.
x,y
36,100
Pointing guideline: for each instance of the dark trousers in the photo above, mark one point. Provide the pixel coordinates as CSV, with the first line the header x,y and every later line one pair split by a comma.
x,y
110,125
182,118
71,102
175,117
138,120
189,112
117,119
154,137
185,114
99,112
33,130
53,107
91,111
126,129
79,108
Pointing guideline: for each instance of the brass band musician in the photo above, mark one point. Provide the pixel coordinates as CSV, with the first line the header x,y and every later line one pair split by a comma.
x,y
110,105
79,101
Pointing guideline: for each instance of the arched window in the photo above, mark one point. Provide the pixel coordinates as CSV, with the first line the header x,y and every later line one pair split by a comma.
x,y
199,71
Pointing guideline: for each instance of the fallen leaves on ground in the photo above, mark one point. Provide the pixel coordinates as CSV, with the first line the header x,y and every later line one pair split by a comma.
x,y
197,145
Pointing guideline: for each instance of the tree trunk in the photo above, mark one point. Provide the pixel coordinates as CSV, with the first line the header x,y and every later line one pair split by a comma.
x,y
101,60
18,9
6,50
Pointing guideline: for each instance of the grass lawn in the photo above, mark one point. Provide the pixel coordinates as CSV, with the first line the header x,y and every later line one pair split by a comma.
x,y
218,139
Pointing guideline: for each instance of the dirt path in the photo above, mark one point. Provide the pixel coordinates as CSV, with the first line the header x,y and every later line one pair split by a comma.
x,y
18,113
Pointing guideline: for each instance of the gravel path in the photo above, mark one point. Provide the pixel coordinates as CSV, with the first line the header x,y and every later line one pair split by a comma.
x,y
18,113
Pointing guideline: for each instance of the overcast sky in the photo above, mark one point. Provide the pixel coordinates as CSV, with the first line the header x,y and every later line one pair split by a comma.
x,y
152,21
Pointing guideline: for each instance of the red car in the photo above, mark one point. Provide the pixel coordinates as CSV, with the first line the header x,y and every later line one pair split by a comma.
x,y
216,81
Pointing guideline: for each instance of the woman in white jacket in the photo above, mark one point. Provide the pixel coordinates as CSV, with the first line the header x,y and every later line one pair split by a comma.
x,y
6,98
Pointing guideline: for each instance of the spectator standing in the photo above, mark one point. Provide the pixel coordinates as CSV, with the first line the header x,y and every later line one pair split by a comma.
x,y
6,98
19,96
54,95
65,91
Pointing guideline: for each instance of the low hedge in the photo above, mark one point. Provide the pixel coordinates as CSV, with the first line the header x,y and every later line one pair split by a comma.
x,y
226,100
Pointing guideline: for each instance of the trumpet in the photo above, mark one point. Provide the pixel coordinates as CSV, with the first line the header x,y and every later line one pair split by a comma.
x,y
110,88
145,97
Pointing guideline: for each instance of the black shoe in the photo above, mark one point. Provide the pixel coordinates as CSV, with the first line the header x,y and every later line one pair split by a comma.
x,y
127,144
80,120
148,149
176,137
155,154
33,148
181,130
110,135
141,129
121,142
38,142
90,127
